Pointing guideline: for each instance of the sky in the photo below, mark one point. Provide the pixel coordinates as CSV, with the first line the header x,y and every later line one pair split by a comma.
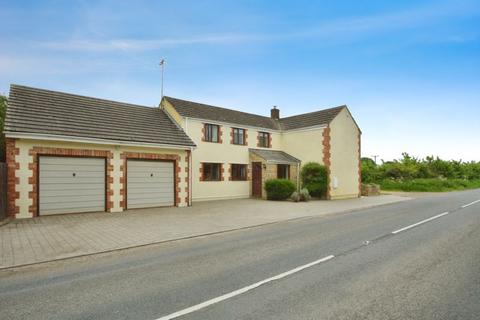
x,y
409,71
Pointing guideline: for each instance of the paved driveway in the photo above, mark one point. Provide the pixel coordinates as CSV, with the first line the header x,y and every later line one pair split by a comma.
x,y
49,238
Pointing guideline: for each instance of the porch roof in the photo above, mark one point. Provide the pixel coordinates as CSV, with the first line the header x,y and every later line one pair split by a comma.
x,y
275,156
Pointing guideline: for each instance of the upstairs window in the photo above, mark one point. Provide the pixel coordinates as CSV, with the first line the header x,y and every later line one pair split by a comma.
x,y
211,132
211,171
283,171
264,139
239,172
238,136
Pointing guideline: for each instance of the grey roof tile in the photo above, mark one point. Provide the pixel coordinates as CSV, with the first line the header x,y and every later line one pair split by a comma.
x,y
32,110
203,111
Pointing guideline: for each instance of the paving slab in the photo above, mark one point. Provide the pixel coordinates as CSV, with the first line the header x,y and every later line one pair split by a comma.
x,y
48,238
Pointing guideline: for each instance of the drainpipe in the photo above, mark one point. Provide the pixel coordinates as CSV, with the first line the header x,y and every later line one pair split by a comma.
x,y
190,178
298,177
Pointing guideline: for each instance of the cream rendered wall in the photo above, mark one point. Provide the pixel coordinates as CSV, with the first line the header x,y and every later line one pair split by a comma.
x,y
172,112
344,156
23,173
305,145
225,153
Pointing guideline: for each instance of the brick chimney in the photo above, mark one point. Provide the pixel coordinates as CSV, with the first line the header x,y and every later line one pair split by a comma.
x,y
275,113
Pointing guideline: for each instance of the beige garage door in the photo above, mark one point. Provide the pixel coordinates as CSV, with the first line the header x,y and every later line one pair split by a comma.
x,y
69,184
150,184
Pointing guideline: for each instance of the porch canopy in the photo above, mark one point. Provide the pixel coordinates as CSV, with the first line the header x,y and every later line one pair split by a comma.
x,y
274,156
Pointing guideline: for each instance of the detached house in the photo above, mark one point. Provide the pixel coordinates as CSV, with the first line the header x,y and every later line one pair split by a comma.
x,y
237,151
68,153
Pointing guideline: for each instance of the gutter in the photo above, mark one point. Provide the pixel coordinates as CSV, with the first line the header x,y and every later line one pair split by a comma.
x,y
52,137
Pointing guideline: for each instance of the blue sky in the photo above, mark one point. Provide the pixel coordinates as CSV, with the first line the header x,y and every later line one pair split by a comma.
x,y
408,70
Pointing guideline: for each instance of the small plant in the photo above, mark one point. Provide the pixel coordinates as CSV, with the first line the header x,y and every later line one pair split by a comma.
x,y
304,195
279,189
295,196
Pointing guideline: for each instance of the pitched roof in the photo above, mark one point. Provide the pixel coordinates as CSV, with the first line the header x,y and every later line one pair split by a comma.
x,y
203,111
322,117
274,156
39,111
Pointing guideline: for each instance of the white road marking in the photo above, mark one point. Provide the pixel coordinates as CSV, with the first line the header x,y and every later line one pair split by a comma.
x,y
242,290
470,204
421,222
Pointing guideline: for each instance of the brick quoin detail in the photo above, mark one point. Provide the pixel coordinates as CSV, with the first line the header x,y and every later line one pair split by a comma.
x,y
359,164
220,134
327,156
12,194
187,178
46,151
149,156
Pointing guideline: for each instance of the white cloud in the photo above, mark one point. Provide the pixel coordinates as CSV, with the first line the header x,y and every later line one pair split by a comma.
x,y
336,30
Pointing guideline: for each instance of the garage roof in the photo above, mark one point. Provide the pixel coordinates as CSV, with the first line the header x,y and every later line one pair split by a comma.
x,y
38,111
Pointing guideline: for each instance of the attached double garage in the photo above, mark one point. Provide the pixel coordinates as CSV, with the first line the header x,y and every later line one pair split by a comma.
x,y
94,180
79,184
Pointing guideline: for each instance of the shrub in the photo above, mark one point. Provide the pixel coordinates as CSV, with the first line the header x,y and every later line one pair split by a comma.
x,y
279,189
304,195
314,179
295,196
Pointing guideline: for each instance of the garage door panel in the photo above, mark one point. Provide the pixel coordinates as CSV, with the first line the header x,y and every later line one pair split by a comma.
x,y
149,180
66,196
76,161
162,189
62,168
76,174
138,204
150,184
74,180
70,184
54,186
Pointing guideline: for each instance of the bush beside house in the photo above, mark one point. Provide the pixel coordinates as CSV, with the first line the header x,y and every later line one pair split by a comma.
x,y
279,189
315,179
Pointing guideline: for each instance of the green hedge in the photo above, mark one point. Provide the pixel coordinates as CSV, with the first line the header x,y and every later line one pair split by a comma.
x,y
279,189
315,179
429,185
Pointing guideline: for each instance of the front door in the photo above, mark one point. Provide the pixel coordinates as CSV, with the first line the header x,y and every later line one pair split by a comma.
x,y
256,179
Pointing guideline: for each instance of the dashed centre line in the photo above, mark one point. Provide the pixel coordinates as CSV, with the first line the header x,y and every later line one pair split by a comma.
x,y
470,204
287,273
242,290
420,222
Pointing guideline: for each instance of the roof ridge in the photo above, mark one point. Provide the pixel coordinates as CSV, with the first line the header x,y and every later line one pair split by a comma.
x,y
224,108
311,112
13,85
